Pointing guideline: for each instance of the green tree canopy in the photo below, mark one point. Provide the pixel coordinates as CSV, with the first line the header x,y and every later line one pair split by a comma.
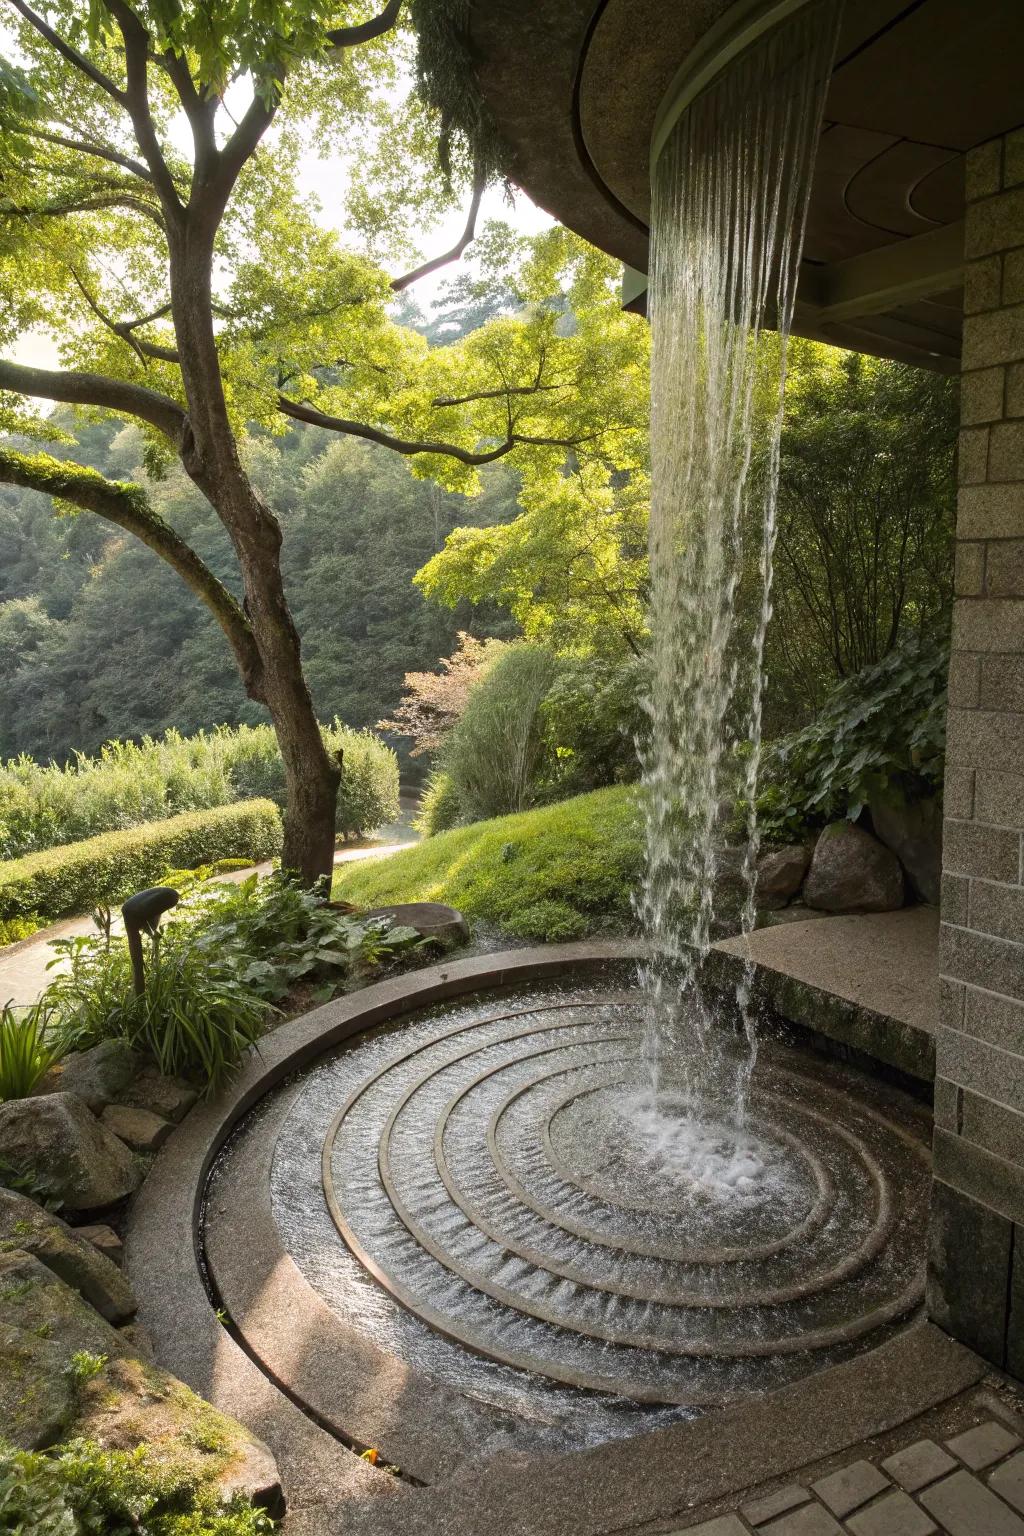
x,y
152,218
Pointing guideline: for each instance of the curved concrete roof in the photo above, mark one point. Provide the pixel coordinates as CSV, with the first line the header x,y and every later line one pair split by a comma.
x,y
575,88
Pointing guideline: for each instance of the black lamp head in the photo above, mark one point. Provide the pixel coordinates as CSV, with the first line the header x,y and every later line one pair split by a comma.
x,y
145,909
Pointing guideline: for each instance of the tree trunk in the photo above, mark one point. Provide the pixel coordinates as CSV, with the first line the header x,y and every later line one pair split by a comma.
x,y
210,458
311,776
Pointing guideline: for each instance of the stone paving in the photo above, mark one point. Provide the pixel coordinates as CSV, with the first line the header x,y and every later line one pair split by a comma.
x,y
969,1485
887,962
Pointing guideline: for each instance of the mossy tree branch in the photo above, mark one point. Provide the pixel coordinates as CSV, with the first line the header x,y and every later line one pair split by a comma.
x,y
126,505
118,395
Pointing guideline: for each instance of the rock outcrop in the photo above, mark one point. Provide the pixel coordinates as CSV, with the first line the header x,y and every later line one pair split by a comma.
x,y
913,831
66,1374
139,1129
25,1226
780,874
97,1076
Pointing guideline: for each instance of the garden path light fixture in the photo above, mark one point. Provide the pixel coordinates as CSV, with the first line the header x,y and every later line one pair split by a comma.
x,y
142,913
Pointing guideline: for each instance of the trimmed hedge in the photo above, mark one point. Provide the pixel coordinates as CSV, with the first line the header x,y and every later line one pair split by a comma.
x,y
559,872
133,783
78,876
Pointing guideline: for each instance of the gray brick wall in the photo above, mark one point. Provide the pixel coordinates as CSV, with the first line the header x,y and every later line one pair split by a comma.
x,y
976,1263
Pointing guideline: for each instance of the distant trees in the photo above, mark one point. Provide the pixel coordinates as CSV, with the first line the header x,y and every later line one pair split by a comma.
x,y
99,640
863,558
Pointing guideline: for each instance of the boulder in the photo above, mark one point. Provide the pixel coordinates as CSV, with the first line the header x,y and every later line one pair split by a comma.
x,y
139,1129
105,1239
97,1075
431,919
139,1341
851,871
134,1401
109,1396
169,1097
729,865
75,1158
913,831
25,1226
780,874
45,1323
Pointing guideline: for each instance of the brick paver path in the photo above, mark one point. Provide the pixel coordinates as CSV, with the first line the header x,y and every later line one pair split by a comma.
x,y
970,1485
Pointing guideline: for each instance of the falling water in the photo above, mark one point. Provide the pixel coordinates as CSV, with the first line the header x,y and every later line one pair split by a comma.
x,y
730,200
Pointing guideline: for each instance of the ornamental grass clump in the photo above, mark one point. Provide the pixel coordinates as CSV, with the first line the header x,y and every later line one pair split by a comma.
x,y
29,1046
196,1017
215,972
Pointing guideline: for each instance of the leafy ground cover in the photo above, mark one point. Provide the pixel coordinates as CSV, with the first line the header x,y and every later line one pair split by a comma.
x,y
81,1489
559,872
880,734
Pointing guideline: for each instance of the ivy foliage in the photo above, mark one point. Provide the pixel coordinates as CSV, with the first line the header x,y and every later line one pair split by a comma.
x,y
446,75
880,735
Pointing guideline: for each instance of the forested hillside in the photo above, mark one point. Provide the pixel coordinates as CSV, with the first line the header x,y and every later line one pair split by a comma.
x,y
99,639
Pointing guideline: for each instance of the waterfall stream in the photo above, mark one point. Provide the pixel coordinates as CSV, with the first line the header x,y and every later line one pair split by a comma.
x,y
731,191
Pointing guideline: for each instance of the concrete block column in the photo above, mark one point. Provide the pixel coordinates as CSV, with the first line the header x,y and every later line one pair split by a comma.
x,y
976,1263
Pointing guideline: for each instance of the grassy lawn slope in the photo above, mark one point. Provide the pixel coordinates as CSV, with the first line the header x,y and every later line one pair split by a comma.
x,y
559,872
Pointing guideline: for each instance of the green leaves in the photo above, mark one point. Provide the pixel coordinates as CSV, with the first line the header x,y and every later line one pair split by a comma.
x,y
273,933
29,1047
80,1489
880,732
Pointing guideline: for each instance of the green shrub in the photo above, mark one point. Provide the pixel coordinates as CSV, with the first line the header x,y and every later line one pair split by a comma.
x,y
880,732
80,1489
29,1046
108,868
13,929
217,966
132,783
439,806
558,872
368,796
275,933
493,755
593,714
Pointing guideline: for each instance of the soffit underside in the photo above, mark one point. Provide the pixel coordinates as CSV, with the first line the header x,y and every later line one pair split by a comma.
x,y
575,92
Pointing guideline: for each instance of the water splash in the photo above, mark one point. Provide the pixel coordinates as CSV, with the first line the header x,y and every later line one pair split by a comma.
x,y
730,201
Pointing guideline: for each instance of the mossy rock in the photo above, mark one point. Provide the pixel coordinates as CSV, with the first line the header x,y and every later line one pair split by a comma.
x,y
65,1374
45,1325
27,1227
74,1158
